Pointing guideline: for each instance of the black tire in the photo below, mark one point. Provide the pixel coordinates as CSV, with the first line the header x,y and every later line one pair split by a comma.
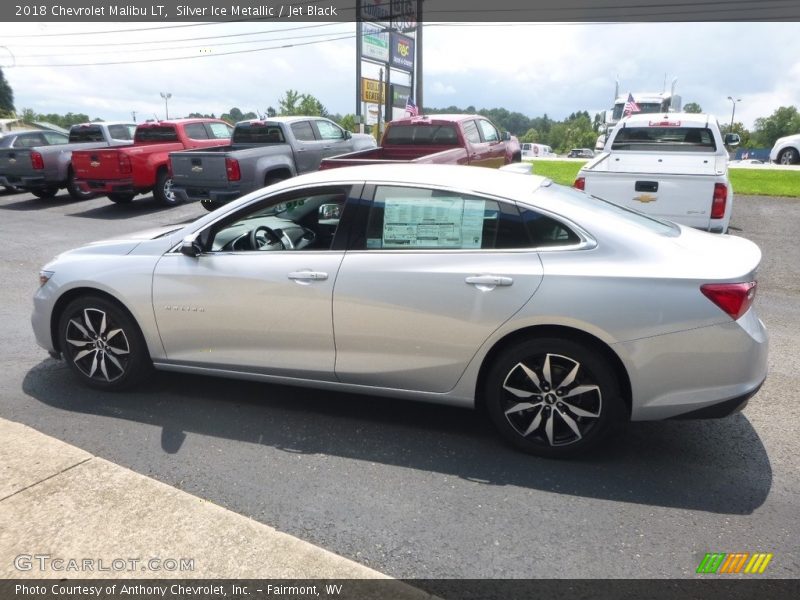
x,y
120,198
45,193
272,179
789,156
76,192
538,418
12,189
107,362
209,205
162,192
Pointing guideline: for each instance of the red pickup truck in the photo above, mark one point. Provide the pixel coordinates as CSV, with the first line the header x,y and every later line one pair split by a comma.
x,y
121,173
452,139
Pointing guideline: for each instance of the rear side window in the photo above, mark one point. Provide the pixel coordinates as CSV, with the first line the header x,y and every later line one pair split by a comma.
x,y
667,139
86,133
420,218
258,133
546,232
422,134
159,133
196,131
30,140
303,131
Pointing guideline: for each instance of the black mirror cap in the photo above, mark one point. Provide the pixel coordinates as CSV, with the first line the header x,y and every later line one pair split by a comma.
x,y
347,134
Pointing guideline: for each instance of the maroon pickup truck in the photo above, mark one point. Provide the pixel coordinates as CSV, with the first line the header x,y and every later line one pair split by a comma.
x,y
121,173
452,139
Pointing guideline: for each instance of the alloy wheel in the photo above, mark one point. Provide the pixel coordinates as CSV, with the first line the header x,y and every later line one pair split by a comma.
x,y
97,345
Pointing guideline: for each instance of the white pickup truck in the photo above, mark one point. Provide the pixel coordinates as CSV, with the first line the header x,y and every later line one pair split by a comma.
x,y
669,165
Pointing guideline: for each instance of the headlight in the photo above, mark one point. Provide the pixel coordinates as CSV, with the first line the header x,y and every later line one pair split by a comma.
x,y
44,277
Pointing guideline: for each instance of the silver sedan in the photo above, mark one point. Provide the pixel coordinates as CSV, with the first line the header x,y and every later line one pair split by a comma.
x,y
562,315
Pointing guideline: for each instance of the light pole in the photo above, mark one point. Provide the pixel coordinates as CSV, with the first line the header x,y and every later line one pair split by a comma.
x,y
733,110
166,96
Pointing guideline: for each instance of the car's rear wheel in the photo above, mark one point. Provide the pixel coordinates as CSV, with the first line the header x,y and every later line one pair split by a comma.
x,y
45,193
120,198
102,344
163,190
553,397
789,156
75,191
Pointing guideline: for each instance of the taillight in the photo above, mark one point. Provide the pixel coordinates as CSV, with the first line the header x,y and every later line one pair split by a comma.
x,y
124,164
232,169
719,201
580,183
734,298
37,161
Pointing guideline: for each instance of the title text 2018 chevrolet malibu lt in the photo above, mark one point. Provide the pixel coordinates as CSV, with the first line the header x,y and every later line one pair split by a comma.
x,y
562,313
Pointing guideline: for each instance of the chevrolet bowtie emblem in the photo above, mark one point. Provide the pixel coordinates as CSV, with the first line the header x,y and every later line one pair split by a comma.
x,y
645,198
95,163
197,169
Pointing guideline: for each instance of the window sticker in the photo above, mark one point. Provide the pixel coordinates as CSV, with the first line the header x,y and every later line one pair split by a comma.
x,y
432,223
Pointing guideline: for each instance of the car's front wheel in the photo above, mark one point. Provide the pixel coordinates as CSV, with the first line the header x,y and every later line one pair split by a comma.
x,y
789,156
102,344
553,397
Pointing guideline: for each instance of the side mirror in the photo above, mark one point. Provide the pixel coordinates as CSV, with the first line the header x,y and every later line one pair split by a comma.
x,y
328,212
506,136
732,139
347,134
191,247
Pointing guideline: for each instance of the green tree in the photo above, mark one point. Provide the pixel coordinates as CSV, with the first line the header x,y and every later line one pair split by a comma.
x,y
784,121
289,103
692,107
235,115
295,103
347,122
6,97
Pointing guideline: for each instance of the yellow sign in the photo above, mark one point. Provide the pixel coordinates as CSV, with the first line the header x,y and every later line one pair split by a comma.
x,y
373,91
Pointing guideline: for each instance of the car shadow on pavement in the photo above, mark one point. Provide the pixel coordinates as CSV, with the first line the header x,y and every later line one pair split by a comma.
x,y
33,203
135,208
719,466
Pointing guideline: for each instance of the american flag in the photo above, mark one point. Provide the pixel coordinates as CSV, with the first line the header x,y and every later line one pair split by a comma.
x,y
630,106
411,108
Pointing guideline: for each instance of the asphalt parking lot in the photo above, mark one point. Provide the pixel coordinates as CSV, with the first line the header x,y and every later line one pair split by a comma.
x,y
419,491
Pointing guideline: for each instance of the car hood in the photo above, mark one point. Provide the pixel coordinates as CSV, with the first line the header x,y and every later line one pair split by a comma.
x,y
125,243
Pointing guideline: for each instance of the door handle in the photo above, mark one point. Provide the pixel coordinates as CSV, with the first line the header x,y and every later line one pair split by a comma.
x,y
488,281
303,276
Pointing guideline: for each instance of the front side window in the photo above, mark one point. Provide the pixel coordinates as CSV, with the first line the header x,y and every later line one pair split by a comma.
x,y
489,132
220,131
291,222
421,218
471,132
329,131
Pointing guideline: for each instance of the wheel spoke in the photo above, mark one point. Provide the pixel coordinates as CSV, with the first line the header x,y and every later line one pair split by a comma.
x,y
115,361
80,328
103,367
102,325
532,376
581,389
117,350
522,406
571,423
537,420
88,321
79,343
518,393
570,377
546,371
84,353
94,365
548,427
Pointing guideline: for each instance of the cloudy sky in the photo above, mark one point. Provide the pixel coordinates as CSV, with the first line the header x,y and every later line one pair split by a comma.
x,y
533,68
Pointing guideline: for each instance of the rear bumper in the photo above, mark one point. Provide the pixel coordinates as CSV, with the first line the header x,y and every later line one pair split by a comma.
x,y
701,373
113,186
207,196
33,183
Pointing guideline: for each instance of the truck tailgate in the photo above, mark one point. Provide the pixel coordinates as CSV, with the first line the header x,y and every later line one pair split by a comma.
x,y
99,164
198,169
673,187
15,162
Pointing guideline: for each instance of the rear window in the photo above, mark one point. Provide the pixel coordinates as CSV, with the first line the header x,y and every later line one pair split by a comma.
x,y
258,133
159,133
86,133
432,135
666,139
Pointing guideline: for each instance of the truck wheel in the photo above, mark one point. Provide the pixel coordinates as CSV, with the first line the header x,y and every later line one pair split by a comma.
x,y
75,191
163,190
208,205
120,198
788,157
45,193
272,179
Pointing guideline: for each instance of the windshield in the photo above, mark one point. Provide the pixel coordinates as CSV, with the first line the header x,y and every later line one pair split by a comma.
x,y
644,107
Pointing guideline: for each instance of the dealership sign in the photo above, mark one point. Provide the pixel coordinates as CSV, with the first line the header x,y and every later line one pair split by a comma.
x,y
402,52
374,42
401,14
400,94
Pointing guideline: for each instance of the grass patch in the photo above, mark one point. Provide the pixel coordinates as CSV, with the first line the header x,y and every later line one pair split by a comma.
x,y
746,182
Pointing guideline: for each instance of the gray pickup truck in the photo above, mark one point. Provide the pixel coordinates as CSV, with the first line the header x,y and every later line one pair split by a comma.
x,y
45,169
261,153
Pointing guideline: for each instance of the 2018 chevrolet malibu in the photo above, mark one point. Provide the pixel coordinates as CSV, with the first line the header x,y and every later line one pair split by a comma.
x,y
563,314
